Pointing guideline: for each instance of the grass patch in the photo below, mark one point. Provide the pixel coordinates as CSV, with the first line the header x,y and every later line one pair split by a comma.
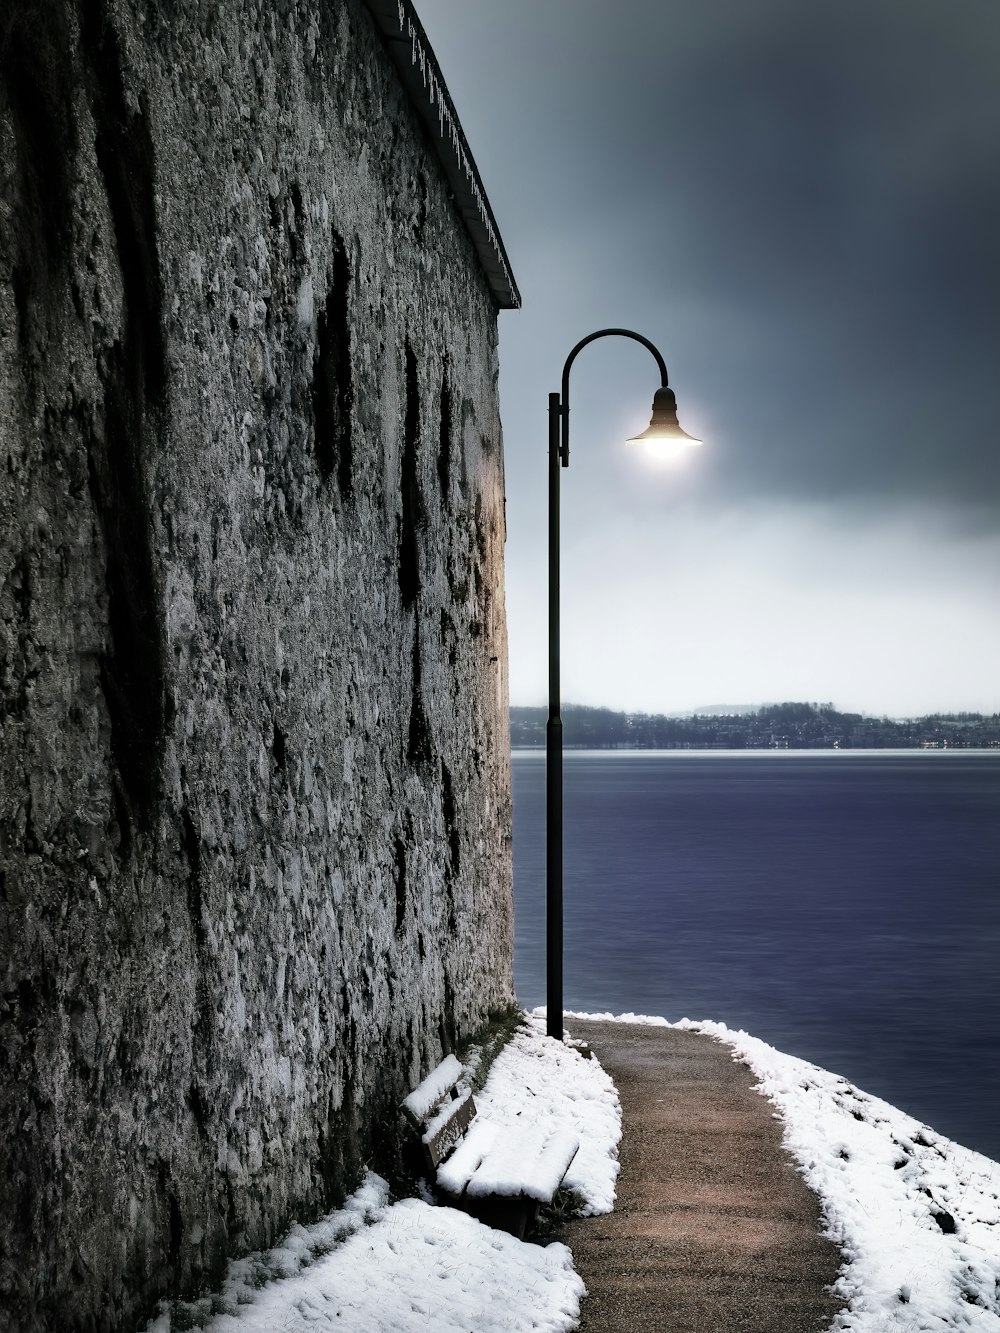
x,y
187,1315
479,1050
566,1205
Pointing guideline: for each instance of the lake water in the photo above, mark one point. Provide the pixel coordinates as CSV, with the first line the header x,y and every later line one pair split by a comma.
x,y
843,906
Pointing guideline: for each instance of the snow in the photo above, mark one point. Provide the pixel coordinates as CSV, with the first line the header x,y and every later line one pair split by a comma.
x,y
508,1161
449,1111
539,1159
536,1080
916,1215
454,1174
438,1083
407,1267
373,1267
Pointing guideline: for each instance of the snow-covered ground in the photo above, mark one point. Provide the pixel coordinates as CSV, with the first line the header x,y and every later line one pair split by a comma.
x,y
408,1267
392,1268
538,1080
916,1216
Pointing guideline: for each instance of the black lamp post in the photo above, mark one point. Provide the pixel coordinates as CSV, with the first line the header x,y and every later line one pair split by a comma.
x,y
663,432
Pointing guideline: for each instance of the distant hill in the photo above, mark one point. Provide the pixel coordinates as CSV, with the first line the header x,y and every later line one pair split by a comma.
x,y
786,726
722,710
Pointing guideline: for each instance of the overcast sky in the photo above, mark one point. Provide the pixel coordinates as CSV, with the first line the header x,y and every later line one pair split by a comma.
x,y
799,203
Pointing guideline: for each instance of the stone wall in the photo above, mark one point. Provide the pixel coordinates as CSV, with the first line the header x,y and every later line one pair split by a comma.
x,y
254,795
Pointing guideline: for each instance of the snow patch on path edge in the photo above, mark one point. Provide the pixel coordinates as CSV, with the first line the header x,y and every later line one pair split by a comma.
x,y
917,1216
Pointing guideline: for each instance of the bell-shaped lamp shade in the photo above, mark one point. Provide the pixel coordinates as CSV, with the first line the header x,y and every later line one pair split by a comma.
x,y
663,436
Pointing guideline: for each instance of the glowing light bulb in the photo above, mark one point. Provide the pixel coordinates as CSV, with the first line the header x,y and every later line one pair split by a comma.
x,y
663,436
666,449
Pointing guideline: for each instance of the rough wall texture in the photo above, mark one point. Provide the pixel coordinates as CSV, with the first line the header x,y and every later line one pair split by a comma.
x,y
254,797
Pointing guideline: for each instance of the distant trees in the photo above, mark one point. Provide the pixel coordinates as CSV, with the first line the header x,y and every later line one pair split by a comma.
x,y
788,725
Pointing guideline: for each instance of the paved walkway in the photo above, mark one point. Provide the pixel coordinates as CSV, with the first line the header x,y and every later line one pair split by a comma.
x,y
713,1231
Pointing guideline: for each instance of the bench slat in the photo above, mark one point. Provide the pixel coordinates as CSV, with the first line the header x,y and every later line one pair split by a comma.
x,y
508,1161
447,1128
434,1088
539,1177
454,1174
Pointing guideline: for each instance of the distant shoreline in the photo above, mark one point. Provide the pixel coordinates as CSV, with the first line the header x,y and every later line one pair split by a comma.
x,y
764,749
786,726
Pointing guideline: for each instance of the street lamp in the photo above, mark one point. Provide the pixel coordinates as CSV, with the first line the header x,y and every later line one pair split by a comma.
x,y
663,434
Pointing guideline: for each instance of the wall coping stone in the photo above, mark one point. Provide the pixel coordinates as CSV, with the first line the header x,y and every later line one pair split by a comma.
x,y
424,84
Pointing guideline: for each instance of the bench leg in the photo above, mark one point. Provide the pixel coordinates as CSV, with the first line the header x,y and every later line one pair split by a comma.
x,y
514,1215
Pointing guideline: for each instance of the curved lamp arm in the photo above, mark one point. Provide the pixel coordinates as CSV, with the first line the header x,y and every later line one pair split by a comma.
x,y
663,406
564,397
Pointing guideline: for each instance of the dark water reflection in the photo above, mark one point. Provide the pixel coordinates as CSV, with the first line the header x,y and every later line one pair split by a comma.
x,y
843,906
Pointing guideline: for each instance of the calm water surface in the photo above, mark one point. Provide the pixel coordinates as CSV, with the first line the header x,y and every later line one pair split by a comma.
x,y
844,906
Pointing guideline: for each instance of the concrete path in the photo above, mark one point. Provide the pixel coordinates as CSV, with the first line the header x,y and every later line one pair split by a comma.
x,y
713,1231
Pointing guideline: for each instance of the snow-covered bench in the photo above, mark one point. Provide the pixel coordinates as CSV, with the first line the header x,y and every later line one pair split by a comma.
x,y
498,1173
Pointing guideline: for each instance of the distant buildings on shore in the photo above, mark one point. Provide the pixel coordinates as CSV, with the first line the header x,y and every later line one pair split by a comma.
x,y
787,726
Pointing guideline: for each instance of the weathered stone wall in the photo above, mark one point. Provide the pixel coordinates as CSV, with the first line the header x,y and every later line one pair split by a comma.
x,y
254,796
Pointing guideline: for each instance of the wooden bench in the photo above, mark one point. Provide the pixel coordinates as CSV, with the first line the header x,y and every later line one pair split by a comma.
x,y
499,1173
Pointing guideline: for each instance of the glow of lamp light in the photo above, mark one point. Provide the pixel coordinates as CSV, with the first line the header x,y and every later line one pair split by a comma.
x,y
667,449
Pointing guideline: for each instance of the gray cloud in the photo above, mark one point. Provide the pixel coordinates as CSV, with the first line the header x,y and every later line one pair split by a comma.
x,y
824,175
799,203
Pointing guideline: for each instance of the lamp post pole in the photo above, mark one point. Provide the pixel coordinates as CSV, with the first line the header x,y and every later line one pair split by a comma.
x,y
663,427
553,752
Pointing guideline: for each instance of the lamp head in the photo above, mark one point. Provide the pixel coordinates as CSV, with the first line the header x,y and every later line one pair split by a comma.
x,y
663,436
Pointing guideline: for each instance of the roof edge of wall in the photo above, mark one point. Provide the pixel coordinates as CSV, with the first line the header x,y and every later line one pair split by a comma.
x,y
425,86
